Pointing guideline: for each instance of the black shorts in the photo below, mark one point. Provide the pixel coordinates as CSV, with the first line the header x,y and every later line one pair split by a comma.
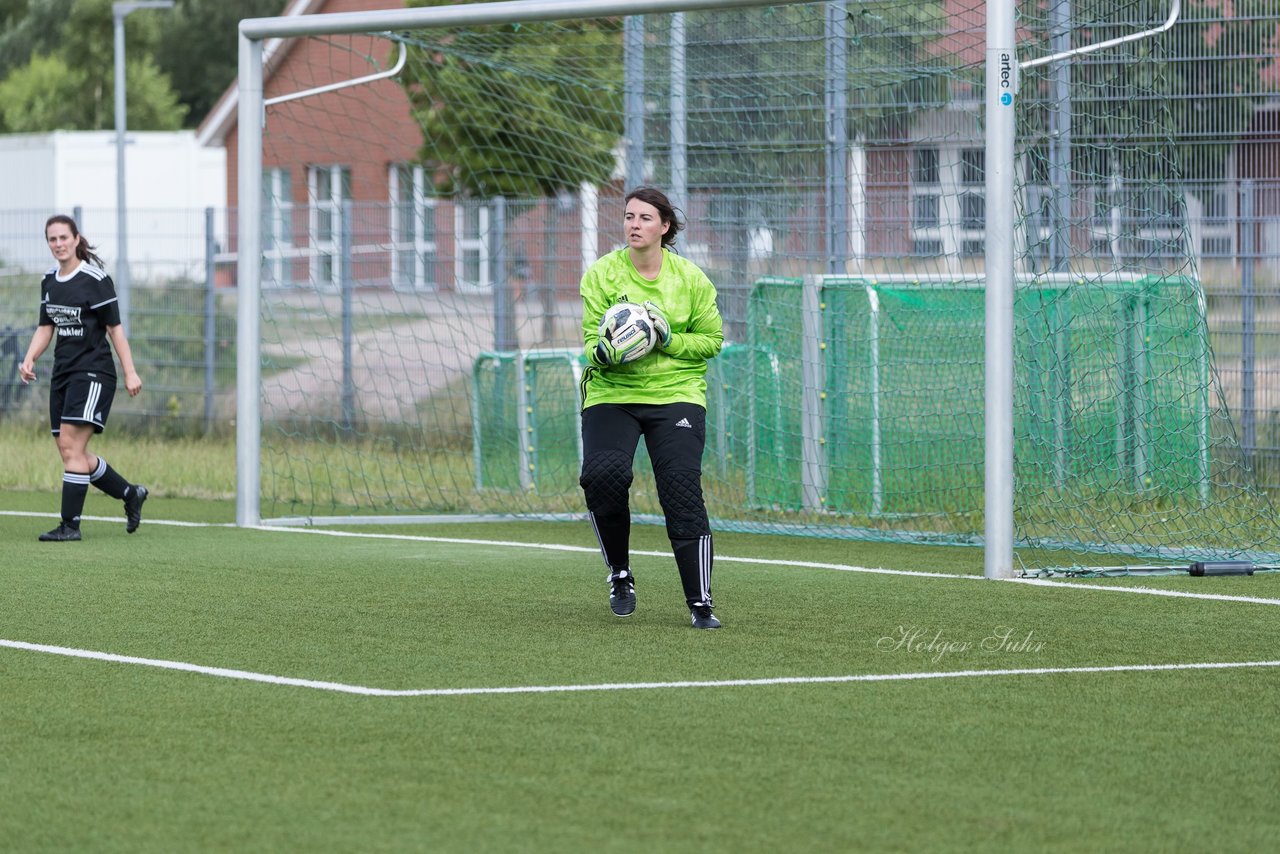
x,y
83,398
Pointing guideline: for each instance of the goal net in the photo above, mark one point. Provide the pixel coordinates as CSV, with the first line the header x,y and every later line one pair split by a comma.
x,y
422,237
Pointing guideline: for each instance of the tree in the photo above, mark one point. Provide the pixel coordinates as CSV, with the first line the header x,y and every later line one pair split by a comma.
x,y
194,45
11,11
31,27
756,82
47,94
1139,115
526,110
198,48
1223,87
72,87
41,95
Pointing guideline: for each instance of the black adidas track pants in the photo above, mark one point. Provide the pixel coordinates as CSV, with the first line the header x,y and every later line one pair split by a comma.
x,y
675,435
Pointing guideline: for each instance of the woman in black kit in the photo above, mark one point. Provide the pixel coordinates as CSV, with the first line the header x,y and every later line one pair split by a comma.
x,y
78,306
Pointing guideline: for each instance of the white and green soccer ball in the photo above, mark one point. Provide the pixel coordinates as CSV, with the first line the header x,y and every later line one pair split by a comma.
x,y
629,330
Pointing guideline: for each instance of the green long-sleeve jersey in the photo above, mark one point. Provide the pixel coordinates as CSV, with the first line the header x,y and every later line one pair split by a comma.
x,y
687,298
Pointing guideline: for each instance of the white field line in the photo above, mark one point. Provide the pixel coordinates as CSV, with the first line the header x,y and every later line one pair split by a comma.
x,y
170,522
1150,591
342,688
801,564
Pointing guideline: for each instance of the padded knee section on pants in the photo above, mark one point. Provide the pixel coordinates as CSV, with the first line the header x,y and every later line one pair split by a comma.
x,y
681,495
605,481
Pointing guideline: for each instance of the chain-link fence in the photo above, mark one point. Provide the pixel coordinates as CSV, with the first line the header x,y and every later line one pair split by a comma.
x,y
181,320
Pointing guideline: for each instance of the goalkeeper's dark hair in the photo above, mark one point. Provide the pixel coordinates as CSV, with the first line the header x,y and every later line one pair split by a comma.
x,y
666,211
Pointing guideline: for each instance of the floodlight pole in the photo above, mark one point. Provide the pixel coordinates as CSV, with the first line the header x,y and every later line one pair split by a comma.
x,y
119,11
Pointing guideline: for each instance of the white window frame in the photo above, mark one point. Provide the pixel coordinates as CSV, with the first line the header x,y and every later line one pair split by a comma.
x,y
1217,219
277,238
410,239
323,251
468,243
970,239
950,232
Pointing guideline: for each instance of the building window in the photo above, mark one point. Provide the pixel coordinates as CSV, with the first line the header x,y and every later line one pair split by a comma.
x,y
926,201
1217,229
973,201
277,228
327,188
948,201
926,213
924,166
471,258
414,255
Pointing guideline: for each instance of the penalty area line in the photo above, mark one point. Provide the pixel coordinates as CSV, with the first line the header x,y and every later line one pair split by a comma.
x,y
342,688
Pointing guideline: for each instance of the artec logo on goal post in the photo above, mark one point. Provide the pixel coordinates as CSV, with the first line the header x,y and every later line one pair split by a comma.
x,y
1008,78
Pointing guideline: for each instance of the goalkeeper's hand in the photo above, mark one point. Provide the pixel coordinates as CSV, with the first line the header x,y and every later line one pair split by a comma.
x,y
660,324
607,353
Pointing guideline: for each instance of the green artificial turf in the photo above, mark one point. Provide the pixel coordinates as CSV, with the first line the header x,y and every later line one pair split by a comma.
x,y
112,756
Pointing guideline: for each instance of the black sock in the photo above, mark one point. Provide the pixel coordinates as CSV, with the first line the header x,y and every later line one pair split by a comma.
x,y
109,480
75,486
614,534
694,558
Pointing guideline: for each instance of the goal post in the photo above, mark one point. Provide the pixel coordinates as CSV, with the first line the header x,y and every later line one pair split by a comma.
x,y
250,110
958,298
1003,70
1001,91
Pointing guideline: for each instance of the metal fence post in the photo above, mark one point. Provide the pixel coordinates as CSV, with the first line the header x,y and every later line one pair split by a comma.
x,y
210,306
633,98
1248,249
679,117
344,273
837,109
813,452
504,319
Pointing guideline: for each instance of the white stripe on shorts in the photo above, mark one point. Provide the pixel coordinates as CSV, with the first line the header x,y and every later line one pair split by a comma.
x,y
90,404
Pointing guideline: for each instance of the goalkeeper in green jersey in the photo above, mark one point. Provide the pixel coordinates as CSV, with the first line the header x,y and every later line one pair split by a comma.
x,y
661,396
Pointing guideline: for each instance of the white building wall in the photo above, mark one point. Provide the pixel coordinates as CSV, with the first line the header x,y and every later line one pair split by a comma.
x,y
171,180
28,188
28,167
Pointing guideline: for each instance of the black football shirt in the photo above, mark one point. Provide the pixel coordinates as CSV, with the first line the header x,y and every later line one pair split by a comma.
x,y
80,308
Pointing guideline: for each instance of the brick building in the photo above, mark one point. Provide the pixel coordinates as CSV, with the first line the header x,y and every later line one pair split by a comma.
x,y
360,144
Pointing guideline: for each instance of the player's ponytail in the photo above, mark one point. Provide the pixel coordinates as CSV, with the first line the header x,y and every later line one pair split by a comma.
x,y
84,250
666,211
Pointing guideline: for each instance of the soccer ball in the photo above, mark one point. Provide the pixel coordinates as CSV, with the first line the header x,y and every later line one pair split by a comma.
x,y
629,329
